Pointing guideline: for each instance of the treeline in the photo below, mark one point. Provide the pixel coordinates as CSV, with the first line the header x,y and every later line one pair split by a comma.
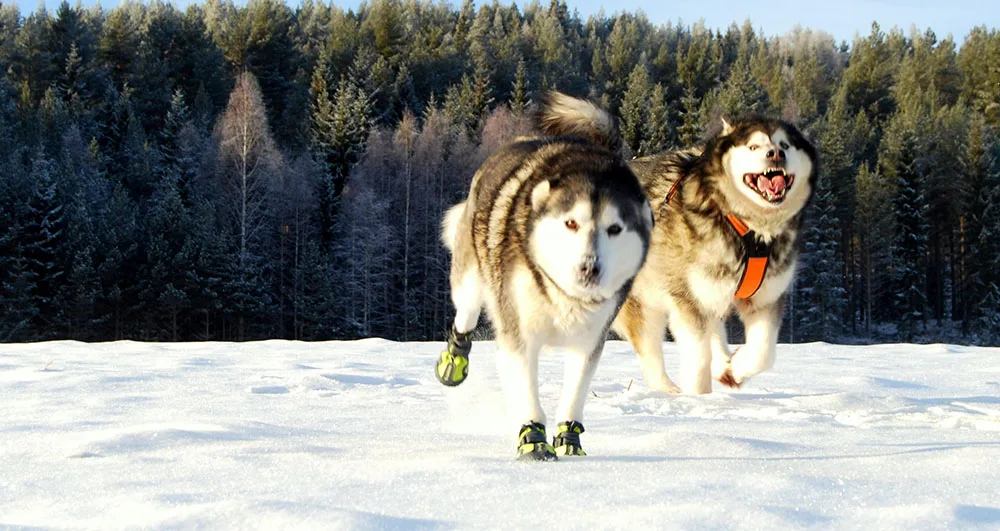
x,y
245,172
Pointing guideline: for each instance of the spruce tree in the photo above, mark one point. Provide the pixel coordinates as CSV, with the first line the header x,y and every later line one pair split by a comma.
x,y
118,43
909,242
981,50
983,286
874,227
120,258
691,127
466,103
83,286
519,99
807,87
164,293
819,284
741,94
339,131
313,307
635,109
32,66
19,301
658,129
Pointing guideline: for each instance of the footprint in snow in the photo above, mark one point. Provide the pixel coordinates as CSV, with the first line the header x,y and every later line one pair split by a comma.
x,y
269,390
358,379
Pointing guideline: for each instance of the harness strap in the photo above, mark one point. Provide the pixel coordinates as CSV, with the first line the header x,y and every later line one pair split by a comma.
x,y
673,189
755,253
755,258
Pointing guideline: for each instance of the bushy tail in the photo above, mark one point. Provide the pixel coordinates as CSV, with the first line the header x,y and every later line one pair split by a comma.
x,y
449,225
562,115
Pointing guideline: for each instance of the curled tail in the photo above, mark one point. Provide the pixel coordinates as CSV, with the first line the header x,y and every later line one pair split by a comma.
x,y
562,115
449,225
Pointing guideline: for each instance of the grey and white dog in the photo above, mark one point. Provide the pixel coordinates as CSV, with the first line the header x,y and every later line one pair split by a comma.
x,y
725,240
554,229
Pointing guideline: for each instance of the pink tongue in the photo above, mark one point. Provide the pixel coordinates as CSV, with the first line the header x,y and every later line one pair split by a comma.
x,y
774,185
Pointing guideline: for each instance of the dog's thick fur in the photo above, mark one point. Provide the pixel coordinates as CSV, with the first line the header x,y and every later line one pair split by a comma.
x,y
554,229
695,263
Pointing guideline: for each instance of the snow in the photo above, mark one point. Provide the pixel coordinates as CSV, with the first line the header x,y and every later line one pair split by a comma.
x,y
359,435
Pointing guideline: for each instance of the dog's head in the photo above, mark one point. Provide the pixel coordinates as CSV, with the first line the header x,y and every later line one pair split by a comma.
x,y
769,162
590,228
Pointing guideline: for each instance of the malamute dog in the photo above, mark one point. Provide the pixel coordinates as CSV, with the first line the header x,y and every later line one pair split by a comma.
x,y
727,218
552,234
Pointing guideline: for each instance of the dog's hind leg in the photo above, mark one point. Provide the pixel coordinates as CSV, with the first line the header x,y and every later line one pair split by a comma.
x,y
688,326
644,327
467,295
466,282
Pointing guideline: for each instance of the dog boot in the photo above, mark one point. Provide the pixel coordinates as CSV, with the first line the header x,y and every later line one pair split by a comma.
x,y
533,444
453,365
567,441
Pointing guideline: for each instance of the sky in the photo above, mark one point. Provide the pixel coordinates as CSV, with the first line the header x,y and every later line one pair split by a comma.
x,y
841,18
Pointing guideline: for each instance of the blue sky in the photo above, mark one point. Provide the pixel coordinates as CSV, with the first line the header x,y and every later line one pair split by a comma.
x,y
841,18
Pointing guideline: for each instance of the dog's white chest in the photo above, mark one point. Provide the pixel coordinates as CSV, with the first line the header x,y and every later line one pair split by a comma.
x,y
713,292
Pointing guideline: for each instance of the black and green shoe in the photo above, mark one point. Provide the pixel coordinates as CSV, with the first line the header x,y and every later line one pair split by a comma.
x,y
567,441
533,445
453,365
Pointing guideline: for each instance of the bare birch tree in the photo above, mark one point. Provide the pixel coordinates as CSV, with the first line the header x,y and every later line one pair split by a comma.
x,y
249,160
249,165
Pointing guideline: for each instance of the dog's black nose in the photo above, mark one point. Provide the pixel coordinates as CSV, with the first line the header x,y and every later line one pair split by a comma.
x,y
590,269
776,154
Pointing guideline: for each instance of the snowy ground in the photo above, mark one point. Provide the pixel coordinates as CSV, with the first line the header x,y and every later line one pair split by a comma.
x,y
360,435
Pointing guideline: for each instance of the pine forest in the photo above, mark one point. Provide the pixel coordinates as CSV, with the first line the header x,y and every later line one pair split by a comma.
x,y
238,172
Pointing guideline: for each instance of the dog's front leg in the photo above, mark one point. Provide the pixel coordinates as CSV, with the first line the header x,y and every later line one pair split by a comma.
x,y
762,325
720,349
690,330
578,371
517,364
579,367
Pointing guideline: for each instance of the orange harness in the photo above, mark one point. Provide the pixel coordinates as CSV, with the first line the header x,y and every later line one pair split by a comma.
x,y
755,253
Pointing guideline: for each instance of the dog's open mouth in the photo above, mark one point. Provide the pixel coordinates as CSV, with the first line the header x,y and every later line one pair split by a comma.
x,y
773,185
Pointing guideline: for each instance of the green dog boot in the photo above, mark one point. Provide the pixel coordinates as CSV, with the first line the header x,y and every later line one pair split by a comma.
x,y
453,365
533,444
567,441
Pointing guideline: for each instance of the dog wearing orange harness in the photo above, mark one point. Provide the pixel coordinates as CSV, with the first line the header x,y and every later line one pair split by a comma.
x,y
728,214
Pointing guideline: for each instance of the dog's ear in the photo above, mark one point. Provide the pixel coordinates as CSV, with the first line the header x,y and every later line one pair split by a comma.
x,y
540,194
647,213
726,126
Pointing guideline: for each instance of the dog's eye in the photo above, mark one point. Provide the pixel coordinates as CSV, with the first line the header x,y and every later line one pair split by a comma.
x,y
754,147
571,225
784,145
614,230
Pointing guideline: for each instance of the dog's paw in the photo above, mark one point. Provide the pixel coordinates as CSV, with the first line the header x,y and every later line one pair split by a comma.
x,y
727,379
720,368
666,385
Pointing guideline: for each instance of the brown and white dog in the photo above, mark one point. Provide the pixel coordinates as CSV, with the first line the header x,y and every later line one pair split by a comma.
x,y
734,212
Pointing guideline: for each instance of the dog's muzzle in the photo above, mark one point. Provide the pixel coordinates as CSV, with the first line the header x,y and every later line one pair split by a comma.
x,y
588,272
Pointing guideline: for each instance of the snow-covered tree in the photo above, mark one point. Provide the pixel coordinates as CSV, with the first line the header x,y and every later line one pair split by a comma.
x,y
634,110
909,243
820,296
